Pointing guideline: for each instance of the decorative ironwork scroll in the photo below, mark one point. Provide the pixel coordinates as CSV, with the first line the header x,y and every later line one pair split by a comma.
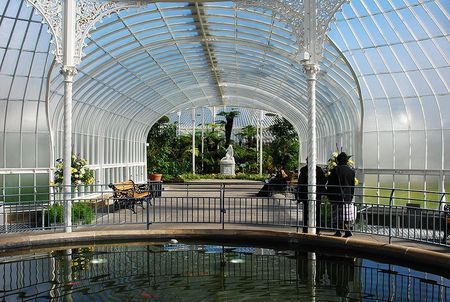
x,y
88,12
306,18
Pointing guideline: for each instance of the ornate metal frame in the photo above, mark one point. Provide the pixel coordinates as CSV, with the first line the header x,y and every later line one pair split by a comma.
x,y
88,12
309,27
309,19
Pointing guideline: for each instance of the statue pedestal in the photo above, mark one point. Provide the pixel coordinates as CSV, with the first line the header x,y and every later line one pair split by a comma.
x,y
227,167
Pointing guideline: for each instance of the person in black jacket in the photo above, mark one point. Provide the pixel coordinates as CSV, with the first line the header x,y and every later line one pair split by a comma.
x,y
340,191
277,183
302,193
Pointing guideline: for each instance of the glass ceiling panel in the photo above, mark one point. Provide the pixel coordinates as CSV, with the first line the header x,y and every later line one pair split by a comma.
x,y
144,62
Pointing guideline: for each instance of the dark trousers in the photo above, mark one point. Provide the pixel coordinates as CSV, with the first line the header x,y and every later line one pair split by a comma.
x,y
306,214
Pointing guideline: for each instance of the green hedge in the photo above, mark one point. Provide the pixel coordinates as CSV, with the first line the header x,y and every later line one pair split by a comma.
x,y
189,176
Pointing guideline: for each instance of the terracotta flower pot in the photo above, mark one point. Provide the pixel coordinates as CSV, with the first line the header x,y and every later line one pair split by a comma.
x,y
155,177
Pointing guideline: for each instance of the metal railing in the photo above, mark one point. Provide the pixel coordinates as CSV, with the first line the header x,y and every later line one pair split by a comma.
x,y
391,212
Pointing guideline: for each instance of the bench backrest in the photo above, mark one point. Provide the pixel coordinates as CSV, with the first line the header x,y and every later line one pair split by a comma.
x,y
123,186
123,189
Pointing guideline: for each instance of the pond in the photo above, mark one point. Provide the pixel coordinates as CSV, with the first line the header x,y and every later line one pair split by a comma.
x,y
174,271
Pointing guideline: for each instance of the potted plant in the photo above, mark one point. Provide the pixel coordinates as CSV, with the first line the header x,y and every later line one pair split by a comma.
x,y
153,175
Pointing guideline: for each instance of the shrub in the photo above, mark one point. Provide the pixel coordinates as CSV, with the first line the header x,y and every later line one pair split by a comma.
x,y
247,176
81,212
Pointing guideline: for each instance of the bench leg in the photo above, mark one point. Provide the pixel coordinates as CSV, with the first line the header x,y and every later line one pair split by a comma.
x,y
133,206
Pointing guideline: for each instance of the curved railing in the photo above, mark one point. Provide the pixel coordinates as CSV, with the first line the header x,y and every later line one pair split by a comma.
x,y
395,213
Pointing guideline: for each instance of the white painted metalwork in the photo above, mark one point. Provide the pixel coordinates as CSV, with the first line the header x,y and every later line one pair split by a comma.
x,y
69,71
193,140
384,66
311,71
261,116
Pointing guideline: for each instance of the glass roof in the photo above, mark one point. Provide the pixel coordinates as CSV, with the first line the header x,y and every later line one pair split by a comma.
x,y
385,72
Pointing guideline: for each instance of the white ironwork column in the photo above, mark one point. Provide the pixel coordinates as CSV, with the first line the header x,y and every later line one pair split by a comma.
x,y
179,123
68,70
260,142
193,140
203,134
311,73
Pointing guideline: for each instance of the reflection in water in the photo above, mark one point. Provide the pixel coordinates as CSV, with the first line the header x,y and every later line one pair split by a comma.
x,y
178,272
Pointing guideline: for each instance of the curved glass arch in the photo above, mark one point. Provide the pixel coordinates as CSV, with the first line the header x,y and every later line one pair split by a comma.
x,y
147,62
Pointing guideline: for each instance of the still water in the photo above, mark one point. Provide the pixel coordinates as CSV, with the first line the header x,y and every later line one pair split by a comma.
x,y
173,271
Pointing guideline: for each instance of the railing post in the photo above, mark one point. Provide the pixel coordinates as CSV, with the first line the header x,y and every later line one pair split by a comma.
x,y
222,205
391,199
148,212
442,201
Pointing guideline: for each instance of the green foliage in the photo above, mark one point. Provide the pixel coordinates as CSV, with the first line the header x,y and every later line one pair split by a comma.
x,y
170,154
161,139
56,213
247,136
284,147
81,212
245,176
246,159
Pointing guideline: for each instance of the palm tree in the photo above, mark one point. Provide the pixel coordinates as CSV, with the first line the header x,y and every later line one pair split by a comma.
x,y
248,134
229,119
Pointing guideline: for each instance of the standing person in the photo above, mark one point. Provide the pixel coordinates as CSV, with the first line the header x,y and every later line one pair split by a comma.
x,y
341,188
302,193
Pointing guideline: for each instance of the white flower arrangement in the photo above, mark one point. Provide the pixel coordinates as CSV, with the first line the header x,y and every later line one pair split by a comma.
x,y
80,173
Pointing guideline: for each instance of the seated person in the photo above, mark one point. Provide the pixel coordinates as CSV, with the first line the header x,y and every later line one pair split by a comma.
x,y
277,183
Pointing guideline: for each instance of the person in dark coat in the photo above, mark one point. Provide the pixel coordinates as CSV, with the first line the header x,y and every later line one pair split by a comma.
x,y
277,183
302,193
340,191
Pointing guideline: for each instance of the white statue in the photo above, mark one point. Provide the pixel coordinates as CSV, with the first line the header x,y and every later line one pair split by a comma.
x,y
230,153
227,163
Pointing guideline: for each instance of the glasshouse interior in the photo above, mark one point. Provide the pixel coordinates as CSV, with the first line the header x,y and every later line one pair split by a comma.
x,y
234,90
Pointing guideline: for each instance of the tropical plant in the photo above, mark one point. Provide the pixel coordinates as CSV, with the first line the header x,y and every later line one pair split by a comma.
x,y
229,119
284,147
161,139
248,136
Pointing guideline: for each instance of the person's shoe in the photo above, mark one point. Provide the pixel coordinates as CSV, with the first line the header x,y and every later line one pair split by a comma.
x,y
338,234
348,234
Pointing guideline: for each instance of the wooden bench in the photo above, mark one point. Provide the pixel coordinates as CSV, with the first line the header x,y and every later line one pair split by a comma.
x,y
127,194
